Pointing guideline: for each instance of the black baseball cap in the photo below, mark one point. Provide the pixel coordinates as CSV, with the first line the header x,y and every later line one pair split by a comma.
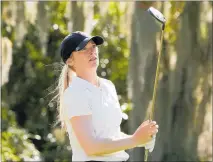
x,y
76,41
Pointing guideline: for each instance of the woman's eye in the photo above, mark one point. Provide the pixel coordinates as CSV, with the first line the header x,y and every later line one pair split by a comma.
x,y
86,49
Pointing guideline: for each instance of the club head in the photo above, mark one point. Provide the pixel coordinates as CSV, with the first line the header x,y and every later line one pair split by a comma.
x,y
157,15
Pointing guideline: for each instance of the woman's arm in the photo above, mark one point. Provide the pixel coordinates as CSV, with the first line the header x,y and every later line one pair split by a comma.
x,y
93,145
123,135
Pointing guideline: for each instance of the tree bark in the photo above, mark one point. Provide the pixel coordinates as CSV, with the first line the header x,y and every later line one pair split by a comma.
x,y
189,91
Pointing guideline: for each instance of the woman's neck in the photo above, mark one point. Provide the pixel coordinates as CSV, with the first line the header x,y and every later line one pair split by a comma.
x,y
90,77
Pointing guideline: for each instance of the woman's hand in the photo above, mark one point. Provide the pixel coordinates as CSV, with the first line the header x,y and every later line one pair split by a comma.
x,y
145,132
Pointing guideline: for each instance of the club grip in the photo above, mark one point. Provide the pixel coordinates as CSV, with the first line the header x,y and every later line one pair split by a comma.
x,y
146,155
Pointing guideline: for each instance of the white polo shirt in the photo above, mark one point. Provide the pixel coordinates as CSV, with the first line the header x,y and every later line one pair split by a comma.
x,y
83,98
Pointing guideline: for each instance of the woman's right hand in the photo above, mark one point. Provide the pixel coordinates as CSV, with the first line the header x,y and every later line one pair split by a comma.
x,y
145,132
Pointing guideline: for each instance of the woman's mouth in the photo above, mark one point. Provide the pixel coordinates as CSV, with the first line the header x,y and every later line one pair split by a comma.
x,y
93,59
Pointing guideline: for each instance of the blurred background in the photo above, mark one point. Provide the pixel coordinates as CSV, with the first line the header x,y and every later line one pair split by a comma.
x,y
31,32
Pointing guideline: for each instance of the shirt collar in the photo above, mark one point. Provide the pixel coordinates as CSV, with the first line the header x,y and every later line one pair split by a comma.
x,y
77,81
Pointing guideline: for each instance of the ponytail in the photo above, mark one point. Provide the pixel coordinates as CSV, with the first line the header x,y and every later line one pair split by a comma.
x,y
62,85
64,79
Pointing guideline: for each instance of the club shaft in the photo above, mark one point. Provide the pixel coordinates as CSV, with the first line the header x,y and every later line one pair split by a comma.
x,y
156,79
155,88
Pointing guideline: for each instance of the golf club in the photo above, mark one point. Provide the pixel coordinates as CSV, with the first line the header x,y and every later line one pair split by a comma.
x,y
160,18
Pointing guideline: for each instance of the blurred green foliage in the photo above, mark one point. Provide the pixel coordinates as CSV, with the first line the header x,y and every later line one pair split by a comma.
x,y
15,143
16,146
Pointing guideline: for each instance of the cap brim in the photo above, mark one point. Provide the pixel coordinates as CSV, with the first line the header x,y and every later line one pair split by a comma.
x,y
96,39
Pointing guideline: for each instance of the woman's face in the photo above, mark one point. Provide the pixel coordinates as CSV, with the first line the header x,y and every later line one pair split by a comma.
x,y
85,59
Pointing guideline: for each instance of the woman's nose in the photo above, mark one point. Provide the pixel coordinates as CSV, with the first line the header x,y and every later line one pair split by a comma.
x,y
91,51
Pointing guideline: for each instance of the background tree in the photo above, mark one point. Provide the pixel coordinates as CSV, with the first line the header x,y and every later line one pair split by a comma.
x,y
184,90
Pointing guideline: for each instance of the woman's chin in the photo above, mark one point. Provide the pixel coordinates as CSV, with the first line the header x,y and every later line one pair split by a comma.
x,y
93,64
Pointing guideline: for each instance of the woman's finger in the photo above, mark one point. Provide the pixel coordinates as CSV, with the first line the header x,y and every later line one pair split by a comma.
x,y
154,132
146,122
153,124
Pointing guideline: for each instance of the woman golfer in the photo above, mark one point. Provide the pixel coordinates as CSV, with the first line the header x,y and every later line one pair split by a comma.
x,y
89,106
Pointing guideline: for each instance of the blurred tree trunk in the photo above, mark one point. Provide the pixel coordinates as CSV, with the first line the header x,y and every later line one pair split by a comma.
x,y
79,17
89,23
43,24
143,44
76,17
183,92
205,138
7,58
189,86
21,25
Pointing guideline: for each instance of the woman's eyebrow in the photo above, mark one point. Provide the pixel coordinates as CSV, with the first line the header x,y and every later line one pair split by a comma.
x,y
92,43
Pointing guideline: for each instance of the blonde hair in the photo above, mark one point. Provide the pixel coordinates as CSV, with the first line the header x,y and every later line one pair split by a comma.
x,y
63,82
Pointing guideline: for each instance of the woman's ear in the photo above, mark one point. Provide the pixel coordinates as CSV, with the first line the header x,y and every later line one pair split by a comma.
x,y
70,61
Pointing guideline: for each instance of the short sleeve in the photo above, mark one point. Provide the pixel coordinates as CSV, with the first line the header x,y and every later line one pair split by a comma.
x,y
76,104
